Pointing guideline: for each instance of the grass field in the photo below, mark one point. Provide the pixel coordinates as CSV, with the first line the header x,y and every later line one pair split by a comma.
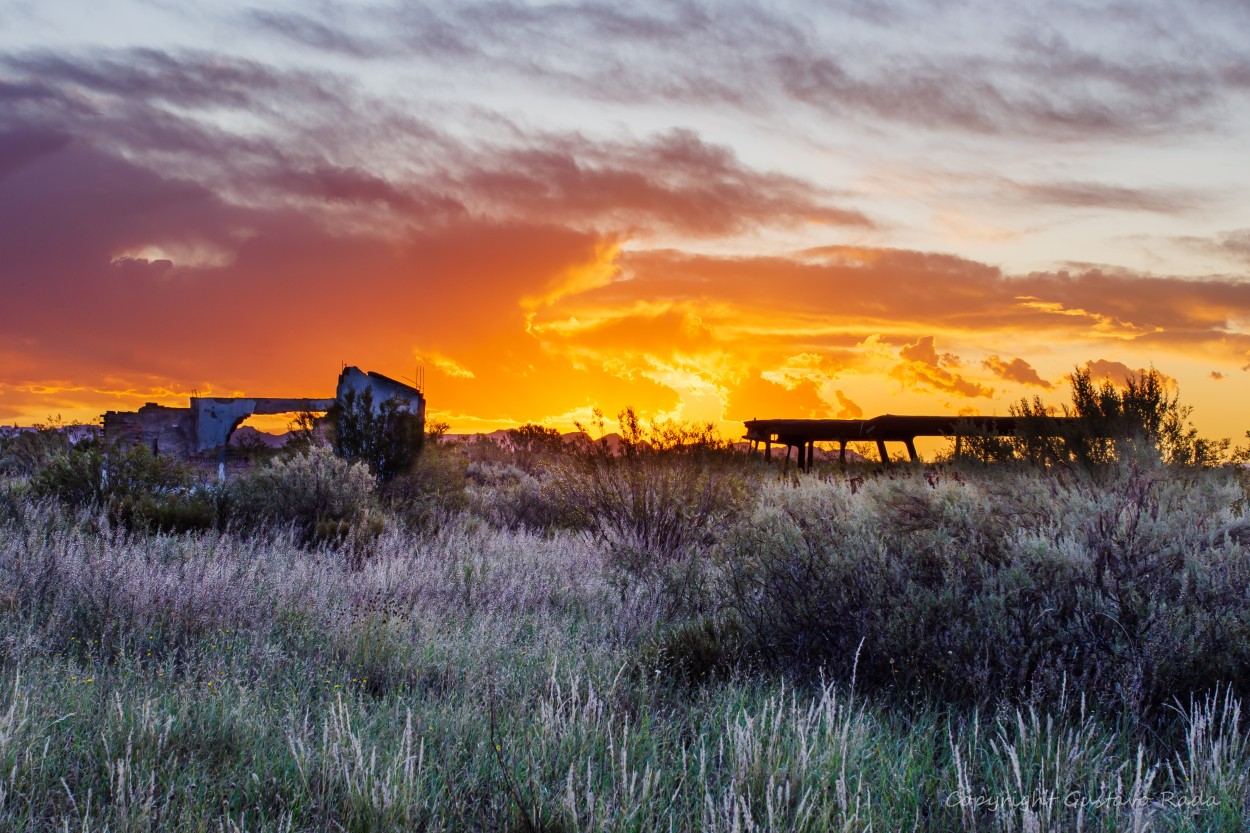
x,y
670,642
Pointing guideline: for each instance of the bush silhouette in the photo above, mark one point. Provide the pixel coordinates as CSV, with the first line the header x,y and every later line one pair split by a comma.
x,y
386,437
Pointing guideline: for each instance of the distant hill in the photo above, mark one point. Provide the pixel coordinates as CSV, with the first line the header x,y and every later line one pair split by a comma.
x,y
245,436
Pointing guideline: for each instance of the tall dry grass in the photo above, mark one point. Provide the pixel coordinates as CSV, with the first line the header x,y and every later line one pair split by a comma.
x,y
484,673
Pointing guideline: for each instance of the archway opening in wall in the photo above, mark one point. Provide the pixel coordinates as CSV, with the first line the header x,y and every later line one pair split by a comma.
x,y
262,436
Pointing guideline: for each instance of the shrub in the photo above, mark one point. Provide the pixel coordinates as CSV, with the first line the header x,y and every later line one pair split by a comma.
x,y
136,488
534,447
1010,585
189,510
26,453
14,499
324,498
386,437
509,498
662,495
699,651
432,489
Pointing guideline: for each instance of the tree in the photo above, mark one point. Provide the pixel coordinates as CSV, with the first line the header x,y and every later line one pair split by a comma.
x,y
1146,415
1108,423
1036,439
387,437
302,431
532,444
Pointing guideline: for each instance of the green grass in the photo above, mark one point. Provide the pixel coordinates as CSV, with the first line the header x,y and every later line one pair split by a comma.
x,y
471,677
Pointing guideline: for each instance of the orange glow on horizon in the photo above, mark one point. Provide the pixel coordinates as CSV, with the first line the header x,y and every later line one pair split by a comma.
x,y
703,340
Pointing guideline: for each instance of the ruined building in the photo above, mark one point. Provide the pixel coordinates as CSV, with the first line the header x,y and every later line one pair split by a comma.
x,y
202,431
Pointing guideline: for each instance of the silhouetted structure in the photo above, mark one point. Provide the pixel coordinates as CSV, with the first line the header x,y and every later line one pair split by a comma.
x,y
204,428
803,434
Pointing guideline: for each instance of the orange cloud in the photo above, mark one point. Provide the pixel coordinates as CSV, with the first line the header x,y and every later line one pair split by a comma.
x,y
1016,370
846,408
929,377
1117,373
758,398
925,352
924,368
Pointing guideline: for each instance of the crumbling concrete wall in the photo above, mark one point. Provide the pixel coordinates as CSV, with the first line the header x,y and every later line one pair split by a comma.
x,y
206,426
164,430
381,388
216,418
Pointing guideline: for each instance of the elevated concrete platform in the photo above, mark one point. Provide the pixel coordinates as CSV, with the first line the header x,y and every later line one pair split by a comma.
x,y
805,433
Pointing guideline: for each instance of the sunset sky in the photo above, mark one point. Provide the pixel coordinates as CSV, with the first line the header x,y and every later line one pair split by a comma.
x,y
707,211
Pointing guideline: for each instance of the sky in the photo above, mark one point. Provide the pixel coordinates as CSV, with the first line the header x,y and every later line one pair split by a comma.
x,y
708,212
